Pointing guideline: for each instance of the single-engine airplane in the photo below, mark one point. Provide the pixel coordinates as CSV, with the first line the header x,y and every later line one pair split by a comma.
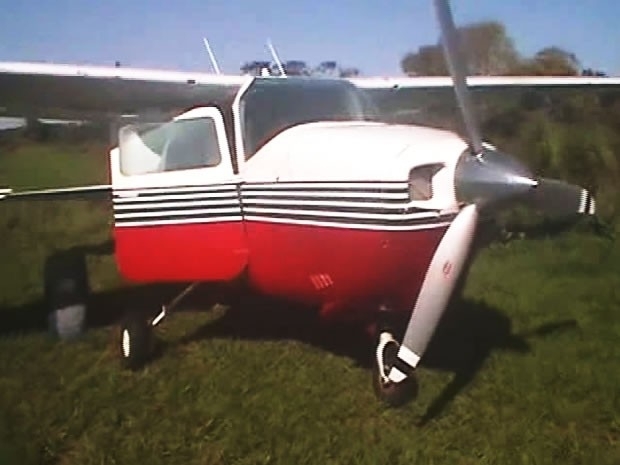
x,y
296,186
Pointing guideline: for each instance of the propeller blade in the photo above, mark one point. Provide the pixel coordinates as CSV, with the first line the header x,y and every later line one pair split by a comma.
x,y
558,198
443,273
459,73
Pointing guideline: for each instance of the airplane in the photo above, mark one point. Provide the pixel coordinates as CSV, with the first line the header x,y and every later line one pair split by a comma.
x,y
293,187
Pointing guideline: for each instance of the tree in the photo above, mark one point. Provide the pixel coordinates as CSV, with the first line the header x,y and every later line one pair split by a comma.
x,y
349,72
593,72
428,61
255,67
296,68
551,61
486,46
489,50
329,68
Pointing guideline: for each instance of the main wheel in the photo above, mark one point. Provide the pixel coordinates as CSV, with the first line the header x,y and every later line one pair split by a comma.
x,y
393,394
135,341
66,293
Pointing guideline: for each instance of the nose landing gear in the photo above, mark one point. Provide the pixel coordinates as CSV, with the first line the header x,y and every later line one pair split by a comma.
x,y
392,393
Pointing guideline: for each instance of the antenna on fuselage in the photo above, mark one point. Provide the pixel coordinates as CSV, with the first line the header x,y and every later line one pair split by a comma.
x,y
275,57
211,56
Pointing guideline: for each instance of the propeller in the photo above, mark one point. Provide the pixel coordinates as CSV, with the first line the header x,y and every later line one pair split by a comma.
x,y
485,178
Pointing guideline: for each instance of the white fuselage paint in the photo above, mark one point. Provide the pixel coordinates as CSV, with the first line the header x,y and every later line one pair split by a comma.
x,y
358,152
362,152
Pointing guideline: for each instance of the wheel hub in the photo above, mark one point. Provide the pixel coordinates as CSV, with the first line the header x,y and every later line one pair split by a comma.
x,y
126,343
387,350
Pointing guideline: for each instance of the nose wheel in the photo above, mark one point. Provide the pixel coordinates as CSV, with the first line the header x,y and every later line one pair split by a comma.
x,y
393,394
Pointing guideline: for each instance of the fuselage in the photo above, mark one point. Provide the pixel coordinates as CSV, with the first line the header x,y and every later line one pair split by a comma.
x,y
316,204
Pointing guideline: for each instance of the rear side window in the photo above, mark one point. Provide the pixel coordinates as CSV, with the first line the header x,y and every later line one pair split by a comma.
x,y
177,145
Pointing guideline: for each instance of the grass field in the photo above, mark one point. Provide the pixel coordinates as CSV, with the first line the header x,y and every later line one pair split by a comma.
x,y
524,370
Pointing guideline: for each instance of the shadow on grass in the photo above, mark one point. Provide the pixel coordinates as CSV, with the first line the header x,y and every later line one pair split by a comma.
x,y
104,308
539,227
469,332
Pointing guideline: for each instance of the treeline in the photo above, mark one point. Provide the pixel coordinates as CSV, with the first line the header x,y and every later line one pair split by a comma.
x,y
328,68
487,47
489,50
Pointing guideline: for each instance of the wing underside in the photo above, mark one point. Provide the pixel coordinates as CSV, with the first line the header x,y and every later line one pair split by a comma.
x,y
78,92
417,94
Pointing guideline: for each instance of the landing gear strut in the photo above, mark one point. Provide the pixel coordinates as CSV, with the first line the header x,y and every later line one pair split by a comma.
x,y
66,291
136,339
392,393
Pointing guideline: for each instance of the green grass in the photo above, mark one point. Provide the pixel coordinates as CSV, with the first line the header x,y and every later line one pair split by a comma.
x,y
524,371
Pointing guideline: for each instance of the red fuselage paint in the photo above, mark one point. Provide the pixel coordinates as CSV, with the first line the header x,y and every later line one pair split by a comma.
x,y
363,268
347,273
181,252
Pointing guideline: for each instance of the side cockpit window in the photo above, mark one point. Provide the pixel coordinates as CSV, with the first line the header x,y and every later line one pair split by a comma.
x,y
191,144
177,145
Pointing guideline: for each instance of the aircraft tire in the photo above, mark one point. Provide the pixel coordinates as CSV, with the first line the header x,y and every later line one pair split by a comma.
x,y
135,341
66,291
393,394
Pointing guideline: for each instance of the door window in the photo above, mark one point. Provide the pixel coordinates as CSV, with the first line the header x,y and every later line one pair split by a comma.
x,y
181,144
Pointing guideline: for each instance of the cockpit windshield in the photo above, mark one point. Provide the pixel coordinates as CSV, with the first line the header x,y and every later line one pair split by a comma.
x,y
271,105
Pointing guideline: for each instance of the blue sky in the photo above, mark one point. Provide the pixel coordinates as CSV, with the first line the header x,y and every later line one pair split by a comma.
x,y
370,34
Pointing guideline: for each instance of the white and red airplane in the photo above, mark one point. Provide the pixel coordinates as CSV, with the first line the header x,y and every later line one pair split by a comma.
x,y
296,187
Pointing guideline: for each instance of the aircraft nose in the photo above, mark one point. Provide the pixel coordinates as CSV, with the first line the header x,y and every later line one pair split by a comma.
x,y
490,178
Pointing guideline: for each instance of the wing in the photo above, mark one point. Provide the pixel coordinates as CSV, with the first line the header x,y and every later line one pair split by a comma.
x,y
92,92
99,192
483,82
95,93
408,95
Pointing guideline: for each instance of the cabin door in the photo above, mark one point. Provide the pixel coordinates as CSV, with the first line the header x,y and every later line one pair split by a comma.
x,y
177,211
